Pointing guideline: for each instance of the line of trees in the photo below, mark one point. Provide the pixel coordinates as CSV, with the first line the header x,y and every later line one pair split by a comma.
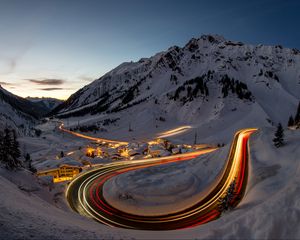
x,y
10,153
9,149
295,121
235,87
191,88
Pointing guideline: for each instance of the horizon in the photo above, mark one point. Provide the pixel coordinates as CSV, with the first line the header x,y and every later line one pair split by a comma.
x,y
57,48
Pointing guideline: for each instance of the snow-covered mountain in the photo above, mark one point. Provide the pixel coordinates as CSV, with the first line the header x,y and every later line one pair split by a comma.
x,y
17,112
47,104
210,83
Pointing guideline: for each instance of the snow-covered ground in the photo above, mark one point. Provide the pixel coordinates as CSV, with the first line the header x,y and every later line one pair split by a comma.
x,y
27,213
270,208
167,188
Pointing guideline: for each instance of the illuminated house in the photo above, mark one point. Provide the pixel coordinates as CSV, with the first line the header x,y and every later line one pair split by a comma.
x,y
157,151
62,173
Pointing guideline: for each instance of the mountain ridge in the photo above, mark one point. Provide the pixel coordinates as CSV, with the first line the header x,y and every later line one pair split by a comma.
x,y
208,79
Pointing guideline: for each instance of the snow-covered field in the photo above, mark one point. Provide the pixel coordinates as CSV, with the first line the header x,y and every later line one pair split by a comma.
x,y
270,209
167,188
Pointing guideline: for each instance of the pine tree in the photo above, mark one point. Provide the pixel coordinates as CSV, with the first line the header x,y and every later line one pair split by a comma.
x,y
9,149
279,134
7,143
189,91
225,91
1,147
195,138
297,117
28,161
225,203
27,158
15,151
291,121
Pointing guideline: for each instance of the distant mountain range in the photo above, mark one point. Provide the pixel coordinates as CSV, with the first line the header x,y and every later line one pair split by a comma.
x,y
19,112
209,82
47,104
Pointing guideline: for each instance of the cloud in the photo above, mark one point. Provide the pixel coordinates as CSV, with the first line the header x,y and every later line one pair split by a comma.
x,y
13,63
53,89
8,64
8,60
47,81
86,78
6,84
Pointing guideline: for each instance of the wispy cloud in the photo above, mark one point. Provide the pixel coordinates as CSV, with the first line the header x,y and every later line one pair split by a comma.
x,y
46,81
6,84
86,78
8,64
53,89
9,60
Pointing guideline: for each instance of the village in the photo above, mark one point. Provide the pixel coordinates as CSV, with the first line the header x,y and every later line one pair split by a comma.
x,y
68,165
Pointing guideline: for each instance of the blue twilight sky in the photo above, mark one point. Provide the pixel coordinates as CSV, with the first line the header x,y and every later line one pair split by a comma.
x,y
52,48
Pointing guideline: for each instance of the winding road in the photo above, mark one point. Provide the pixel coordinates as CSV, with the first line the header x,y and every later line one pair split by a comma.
x,y
85,192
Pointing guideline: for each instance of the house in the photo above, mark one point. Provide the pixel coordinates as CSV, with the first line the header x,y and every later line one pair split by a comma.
x,y
62,173
176,150
156,150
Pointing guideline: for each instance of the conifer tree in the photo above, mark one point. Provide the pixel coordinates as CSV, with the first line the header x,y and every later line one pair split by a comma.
x,y
279,134
1,147
291,121
297,117
15,148
27,158
225,203
195,138
28,161
7,144
9,149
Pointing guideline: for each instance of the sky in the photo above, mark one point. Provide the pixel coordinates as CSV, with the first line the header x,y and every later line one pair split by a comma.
x,y
53,48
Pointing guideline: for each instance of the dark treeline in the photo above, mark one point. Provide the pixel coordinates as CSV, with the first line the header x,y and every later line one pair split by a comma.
x,y
191,88
9,149
10,152
235,87
295,121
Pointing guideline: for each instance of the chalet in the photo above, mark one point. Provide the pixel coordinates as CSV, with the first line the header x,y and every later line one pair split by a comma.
x,y
157,151
62,173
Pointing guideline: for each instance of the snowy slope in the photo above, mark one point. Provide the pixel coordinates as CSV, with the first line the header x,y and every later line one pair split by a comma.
x,y
28,211
17,112
269,210
165,85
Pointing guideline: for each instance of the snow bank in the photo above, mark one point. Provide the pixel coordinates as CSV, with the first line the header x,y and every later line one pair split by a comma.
x,y
26,212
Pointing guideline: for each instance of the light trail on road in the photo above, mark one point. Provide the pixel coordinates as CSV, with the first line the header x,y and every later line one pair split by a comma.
x,y
173,132
85,192
61,127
